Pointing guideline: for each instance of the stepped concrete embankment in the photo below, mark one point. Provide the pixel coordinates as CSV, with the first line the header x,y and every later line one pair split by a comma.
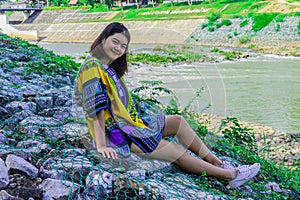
x,y
145,32
76,26
31,35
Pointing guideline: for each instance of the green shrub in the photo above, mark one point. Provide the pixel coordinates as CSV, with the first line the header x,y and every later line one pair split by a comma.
x,y
214,17
211,29
236,134
226,22
262,20
244,23
277,27
280,18
299,27
204,25
218,25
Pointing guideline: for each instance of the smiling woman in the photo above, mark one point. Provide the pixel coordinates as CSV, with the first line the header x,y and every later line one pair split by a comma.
x,y
118,126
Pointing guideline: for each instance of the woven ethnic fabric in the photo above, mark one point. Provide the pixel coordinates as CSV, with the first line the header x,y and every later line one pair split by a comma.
x,y
99,90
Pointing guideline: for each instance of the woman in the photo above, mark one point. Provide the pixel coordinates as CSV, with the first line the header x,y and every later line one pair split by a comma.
x,y
117,127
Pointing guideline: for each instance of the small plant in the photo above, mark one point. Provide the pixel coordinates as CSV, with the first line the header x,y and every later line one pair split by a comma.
x,y
214,17
211,29
236,134
280,18
204,25
244,23
277,27
219,25
226,22
245,39
151,90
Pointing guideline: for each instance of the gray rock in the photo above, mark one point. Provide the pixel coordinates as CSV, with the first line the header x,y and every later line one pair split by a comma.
x,y
40,121
58,189
19,116
4,179
23,153
44,102
74,129
3,113
3,139
17,106
5,196
61,100
31,89
138,174
102,181
19,164
34,146
63,113
52,173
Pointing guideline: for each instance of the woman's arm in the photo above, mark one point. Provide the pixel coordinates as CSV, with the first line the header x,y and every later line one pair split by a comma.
x,y
99,129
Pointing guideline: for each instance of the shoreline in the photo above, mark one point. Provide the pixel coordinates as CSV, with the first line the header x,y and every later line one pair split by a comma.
x,y
273,144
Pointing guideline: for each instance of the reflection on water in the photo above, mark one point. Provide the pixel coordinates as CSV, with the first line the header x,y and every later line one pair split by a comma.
x,y
265,89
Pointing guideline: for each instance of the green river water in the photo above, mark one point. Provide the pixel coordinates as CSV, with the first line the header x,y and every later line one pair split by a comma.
x,y
264,89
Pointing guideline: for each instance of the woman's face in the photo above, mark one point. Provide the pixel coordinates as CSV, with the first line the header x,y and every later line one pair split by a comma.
x,y
114,46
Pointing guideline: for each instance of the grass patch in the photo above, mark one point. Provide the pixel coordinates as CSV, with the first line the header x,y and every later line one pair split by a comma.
x,y
260,21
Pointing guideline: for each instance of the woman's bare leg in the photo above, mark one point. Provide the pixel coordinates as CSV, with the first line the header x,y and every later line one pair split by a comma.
x,y
174,153
176,125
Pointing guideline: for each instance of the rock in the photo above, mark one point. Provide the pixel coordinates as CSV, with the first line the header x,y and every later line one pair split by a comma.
x,y
5,196
4,180
58,189
15,163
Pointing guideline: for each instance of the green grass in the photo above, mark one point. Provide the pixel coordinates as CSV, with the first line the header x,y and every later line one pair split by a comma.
x,y
262,20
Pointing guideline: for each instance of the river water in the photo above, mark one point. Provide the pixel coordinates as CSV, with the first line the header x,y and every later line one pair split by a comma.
x,y
264,89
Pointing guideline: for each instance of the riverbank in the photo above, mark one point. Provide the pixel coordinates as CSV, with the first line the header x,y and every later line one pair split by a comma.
x,y
273,144
279,37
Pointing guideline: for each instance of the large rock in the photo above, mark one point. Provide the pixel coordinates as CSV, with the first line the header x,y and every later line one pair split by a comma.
x,y
15,163
58,189
4,180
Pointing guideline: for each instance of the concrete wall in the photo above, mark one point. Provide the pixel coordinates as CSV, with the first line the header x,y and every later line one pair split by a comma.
x,y
13,32
145,32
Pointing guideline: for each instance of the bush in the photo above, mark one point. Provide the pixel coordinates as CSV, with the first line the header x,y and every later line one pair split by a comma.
x,y
211,29
204,25
244,39
238,135
277,27
214,17
226,22
244,23
262,20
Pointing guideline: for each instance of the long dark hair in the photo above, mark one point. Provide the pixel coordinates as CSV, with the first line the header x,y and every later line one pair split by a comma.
x,y
120,64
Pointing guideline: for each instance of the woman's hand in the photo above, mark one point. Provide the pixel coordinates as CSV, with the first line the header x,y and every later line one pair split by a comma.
x,y
107,152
